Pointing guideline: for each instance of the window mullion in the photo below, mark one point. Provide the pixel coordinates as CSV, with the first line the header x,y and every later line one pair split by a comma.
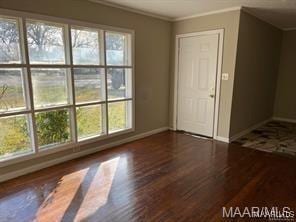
x,y
45,66
68,45
53,108
106,83
120,100
29,87
91,103
14,113
119,67
5,66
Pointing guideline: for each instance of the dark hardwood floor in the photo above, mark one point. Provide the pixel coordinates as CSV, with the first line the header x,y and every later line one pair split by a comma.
x,y
166,177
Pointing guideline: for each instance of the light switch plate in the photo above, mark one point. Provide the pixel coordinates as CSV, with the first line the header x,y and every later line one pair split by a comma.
x,y
225,76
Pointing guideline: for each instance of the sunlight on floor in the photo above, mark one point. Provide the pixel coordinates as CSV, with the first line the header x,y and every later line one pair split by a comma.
x,y
80,194
99,190
57,202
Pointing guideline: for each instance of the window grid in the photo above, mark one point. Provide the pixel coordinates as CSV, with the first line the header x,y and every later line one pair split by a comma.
x,y
73,119
26,66
106,83
30,99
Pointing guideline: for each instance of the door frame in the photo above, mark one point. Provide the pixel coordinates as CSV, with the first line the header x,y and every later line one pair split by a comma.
x,y
220,33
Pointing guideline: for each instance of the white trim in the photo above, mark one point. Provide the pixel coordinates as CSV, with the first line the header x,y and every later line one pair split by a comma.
x,y
208,13
106,106
220,33
137,11
49,163
246,131
176,77
222,139
218,82
176,19
284,119
165,18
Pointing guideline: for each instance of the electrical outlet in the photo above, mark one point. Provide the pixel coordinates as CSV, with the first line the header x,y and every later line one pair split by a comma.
x,y
225,76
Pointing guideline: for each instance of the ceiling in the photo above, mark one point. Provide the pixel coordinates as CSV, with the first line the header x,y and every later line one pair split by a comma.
x,y
281,13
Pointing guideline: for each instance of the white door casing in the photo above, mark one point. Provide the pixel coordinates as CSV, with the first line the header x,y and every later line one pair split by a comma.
x,y
197,79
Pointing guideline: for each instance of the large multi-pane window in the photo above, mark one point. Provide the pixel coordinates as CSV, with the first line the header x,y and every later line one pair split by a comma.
x,y
61,84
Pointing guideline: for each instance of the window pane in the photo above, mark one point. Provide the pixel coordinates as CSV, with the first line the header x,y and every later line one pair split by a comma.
x,y
14,136
119,83
89,84
53,128
119,116
85,45
45,43
118,48
89,121
50,87
9,41
11,90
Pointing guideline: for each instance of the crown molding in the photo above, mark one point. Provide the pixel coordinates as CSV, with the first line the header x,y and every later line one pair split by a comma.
x,y
114,5
170,19
141,12
209,13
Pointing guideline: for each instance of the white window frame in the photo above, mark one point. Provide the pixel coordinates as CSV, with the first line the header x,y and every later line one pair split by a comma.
x,y
21,17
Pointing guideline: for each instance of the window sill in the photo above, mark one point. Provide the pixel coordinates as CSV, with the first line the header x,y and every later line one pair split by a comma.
x,y
62,147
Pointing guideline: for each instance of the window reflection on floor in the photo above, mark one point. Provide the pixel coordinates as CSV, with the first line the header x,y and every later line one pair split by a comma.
x,y
58,201
80,194
99,189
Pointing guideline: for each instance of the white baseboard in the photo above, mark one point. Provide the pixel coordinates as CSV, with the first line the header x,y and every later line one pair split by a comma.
x,y
222,139
284,119
246,131
40,166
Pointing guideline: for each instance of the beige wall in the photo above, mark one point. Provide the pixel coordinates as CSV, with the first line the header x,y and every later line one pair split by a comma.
x,y
152,57
229,21
250,56
255,73
285,103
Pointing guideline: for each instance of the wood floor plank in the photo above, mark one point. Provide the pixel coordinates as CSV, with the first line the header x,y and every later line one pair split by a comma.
x,y
165,177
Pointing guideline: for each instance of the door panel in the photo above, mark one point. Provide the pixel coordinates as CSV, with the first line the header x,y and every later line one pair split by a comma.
x,y
203,74
198,58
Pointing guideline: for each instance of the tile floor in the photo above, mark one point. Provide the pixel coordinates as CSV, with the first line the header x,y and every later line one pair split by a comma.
x,y
274,136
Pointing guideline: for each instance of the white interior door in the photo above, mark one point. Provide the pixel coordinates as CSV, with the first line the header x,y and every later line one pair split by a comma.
x,y
198,57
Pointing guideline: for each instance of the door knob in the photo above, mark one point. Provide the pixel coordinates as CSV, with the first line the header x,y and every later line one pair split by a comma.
x,y
212,92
